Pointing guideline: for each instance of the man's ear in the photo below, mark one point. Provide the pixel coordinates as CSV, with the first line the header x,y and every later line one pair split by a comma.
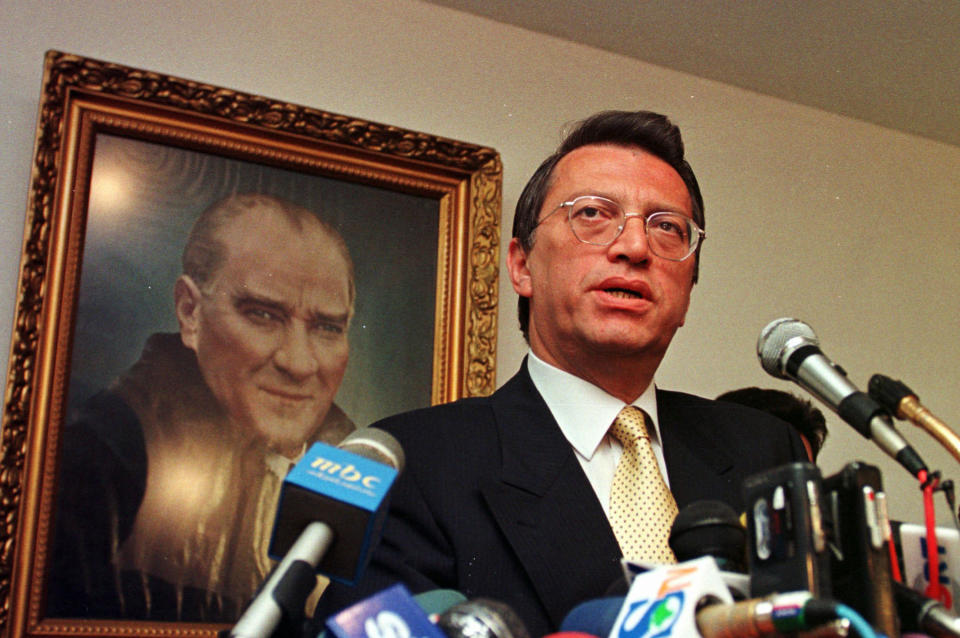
x,y
186,302
518,269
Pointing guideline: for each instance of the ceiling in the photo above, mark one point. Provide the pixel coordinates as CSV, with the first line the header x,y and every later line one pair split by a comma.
x,y
895,63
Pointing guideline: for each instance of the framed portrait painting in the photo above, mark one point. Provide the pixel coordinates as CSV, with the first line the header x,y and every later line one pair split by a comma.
x,y
211,280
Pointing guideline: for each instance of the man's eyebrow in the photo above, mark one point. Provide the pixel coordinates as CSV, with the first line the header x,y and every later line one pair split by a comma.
x,y
252,298
666,208
318,316
315,316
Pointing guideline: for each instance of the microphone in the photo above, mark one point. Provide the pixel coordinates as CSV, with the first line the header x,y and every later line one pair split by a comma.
x,y
710,528
860,568
482,618
786,530
776,614
789,349
919,614
665,600
904,404
331,508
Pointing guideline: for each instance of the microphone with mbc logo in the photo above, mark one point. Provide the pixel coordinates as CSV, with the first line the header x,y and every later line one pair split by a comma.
x,y
331,510
344,488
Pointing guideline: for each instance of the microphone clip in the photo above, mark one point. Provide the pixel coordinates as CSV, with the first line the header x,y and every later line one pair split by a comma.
x,y
932,479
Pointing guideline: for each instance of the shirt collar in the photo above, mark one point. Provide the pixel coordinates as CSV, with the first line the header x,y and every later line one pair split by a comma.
x,y
279,464
583,411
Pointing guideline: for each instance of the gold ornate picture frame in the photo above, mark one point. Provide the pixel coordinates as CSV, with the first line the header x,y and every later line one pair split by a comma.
x,y
408,202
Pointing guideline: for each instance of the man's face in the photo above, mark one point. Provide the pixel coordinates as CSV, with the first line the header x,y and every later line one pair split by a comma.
x,y
270,329
590,302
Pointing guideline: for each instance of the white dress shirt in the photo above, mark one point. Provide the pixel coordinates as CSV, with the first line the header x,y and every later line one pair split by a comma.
x,y
585,413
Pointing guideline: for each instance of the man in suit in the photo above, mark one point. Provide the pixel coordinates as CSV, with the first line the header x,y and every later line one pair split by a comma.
x,y
509,496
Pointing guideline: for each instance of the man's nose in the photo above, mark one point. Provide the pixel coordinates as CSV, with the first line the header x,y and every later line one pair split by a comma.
x,y
296,354
632,243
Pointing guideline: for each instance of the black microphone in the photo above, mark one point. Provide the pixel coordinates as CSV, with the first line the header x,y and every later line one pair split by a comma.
x,y
331,508
919,614
706,528
786,530
482,618
710,528
789,349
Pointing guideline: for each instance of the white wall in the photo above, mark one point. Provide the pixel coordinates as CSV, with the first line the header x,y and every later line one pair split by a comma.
x,y
848,226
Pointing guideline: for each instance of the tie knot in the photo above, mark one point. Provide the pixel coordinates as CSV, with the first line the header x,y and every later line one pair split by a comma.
x,y
629,426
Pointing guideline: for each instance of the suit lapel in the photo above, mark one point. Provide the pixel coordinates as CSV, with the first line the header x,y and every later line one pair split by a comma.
x,y
545,506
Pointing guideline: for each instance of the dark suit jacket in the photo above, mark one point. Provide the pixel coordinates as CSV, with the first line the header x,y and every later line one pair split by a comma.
x,y
493,502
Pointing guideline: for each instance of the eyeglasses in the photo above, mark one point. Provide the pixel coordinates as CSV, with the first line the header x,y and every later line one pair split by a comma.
x,y
599,221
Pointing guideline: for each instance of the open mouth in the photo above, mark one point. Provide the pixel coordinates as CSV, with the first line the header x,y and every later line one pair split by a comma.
x,y
623,293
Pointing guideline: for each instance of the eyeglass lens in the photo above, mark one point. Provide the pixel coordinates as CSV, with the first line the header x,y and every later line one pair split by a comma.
x,y
600,221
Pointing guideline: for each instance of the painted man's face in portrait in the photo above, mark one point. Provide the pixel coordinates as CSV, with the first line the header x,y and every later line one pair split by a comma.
x,y
270,327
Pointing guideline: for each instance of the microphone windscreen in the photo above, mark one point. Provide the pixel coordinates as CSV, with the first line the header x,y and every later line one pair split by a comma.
x,y
482,618
773,342
710,528
375,444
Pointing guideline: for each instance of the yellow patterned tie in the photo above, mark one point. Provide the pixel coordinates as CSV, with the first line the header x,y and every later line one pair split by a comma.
x,y
642,508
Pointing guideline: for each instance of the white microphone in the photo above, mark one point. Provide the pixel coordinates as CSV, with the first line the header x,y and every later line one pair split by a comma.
x,y
665,600
789,349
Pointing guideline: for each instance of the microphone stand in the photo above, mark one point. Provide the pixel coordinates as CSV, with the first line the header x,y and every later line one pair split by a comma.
x,y
278,609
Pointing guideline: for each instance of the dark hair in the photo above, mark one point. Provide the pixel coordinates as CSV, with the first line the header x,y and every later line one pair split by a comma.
x,y
652,132
205,253
800,413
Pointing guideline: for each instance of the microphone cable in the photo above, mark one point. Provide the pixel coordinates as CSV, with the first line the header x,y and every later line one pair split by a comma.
x,y
857,622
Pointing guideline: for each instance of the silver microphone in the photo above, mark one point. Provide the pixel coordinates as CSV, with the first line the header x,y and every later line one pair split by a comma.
x,y
789,349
